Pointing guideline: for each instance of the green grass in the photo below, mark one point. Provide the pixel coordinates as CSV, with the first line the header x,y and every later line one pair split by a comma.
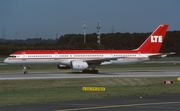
x,y
144,66
2,58
169,59
36,91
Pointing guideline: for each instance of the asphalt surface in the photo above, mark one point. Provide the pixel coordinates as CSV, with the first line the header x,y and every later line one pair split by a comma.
x,y
147,103
115,73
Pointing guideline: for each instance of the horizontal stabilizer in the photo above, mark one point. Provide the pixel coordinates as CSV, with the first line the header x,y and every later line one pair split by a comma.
x,y
161,55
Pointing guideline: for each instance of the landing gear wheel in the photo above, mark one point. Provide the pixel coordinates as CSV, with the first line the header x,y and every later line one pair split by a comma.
x,y
25,72
95,71
86,71
90,71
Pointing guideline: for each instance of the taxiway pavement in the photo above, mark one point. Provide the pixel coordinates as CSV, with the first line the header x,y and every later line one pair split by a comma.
x,y
147,103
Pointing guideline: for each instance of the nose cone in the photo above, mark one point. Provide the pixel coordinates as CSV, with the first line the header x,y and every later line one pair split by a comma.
x,y
6,61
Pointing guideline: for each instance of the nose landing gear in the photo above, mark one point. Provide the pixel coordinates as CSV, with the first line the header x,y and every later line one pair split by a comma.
x,y
25,69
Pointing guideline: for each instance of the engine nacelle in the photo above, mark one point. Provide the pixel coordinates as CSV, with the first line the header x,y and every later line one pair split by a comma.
x,y
79,65
63,67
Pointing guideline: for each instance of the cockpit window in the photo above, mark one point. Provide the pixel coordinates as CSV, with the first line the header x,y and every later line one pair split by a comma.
x,y
12,56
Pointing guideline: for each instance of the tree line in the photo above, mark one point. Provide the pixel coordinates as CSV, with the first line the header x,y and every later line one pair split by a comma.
x,y
108,41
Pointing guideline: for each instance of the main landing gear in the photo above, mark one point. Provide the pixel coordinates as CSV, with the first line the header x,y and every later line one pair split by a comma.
x,y
91,71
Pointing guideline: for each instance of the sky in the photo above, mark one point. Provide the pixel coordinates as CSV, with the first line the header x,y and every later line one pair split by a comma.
x,y
47,19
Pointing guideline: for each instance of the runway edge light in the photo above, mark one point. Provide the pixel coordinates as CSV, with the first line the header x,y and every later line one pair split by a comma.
x,y
93,89
178,78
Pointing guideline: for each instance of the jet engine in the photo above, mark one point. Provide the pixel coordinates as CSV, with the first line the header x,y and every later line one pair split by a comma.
x,y
79,65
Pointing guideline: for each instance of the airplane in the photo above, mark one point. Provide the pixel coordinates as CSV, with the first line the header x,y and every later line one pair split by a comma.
x,y
87,60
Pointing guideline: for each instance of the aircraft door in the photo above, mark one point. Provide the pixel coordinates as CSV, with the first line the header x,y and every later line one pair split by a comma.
x,y
139,54
24,56
111,55
56,56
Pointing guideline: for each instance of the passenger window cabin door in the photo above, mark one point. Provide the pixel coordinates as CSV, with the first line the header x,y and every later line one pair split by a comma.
x,y
24,56
56,56
139,56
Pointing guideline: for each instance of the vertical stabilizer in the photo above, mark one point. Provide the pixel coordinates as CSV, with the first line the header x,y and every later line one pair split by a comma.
x,y
154,41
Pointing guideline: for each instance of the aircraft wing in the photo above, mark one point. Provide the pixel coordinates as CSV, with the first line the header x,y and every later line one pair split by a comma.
x,y
161,55
99,61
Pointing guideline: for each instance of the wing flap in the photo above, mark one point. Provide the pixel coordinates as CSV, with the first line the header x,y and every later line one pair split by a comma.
x,y
99,61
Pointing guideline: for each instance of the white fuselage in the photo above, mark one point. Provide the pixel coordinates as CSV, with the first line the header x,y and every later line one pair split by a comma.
x,y
65,59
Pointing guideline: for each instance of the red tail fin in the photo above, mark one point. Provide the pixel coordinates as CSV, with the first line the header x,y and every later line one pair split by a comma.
x,y
154,41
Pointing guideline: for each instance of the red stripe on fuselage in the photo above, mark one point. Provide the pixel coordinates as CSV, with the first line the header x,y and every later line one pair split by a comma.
x,y
79,52
73,51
